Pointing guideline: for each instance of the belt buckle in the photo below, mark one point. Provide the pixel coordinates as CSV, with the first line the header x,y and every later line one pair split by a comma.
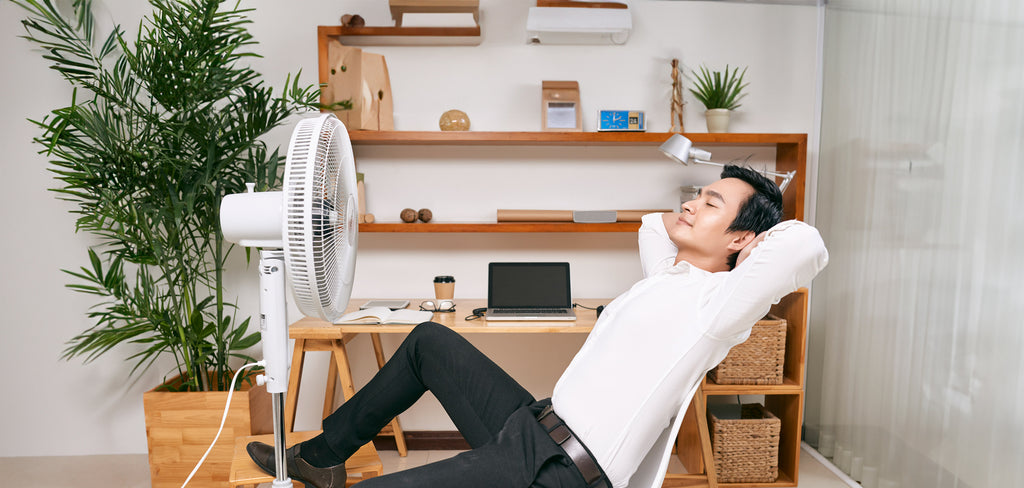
x,y
545,412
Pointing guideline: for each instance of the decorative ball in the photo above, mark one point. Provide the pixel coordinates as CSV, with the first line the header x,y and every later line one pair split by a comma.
x,y
454,120
408,215
425,214
350,20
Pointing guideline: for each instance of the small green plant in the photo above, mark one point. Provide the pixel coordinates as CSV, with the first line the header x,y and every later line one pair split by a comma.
x,y
716,89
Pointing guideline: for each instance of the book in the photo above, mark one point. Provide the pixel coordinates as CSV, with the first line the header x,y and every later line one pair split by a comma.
x,y
384,315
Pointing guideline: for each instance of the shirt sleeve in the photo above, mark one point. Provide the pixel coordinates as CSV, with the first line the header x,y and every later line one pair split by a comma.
x,y
657,252
791,254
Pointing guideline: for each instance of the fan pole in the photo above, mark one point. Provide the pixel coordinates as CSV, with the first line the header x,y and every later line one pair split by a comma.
x,y
274,331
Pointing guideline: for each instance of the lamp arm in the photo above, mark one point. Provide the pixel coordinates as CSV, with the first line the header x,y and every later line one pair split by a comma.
x,y
787,177
681,149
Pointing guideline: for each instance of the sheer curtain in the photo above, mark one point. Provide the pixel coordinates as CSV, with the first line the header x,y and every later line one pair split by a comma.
x,y
918,355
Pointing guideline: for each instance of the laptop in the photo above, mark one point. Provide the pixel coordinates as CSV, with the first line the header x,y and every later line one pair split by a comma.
x,y
528,291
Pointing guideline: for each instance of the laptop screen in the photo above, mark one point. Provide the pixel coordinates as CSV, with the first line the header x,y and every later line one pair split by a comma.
x,y
528,285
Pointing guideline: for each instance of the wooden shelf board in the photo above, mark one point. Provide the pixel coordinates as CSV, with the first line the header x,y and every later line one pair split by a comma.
x,y
499,227
403,36
471,138
783,480
788,387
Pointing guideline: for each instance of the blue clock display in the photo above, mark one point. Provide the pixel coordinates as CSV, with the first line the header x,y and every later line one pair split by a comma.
x,y
622,120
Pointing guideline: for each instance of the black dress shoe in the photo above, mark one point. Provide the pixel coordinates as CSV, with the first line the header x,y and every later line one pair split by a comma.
x,y
298,469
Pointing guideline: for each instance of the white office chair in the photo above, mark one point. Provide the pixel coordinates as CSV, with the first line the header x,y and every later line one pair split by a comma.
x,y
652,470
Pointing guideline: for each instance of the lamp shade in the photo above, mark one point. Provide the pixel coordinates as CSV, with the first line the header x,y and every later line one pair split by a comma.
x,y
681,149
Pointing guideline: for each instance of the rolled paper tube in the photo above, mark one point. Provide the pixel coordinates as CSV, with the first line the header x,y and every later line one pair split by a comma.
x,y
506,215
634,215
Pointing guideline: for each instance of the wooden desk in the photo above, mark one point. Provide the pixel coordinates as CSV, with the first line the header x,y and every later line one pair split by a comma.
x,y
313,334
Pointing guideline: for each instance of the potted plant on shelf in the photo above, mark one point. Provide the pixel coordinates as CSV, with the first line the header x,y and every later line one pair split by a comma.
x,y
720,92
158,130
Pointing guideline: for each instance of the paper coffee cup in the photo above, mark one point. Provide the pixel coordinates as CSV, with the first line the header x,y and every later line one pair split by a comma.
x,y
444,287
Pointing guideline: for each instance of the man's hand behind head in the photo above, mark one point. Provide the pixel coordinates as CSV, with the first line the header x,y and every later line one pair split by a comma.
x,y
745,252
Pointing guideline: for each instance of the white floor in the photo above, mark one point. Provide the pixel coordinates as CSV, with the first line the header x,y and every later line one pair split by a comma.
x,y
132,470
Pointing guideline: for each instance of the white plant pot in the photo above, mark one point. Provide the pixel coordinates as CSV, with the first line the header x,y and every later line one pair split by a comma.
x,y
718,119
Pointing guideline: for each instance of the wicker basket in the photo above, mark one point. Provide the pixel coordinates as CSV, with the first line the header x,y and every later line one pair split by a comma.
x,y
757,361
746,450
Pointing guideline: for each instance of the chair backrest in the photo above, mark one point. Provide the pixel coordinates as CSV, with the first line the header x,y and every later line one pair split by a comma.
x,y
652,469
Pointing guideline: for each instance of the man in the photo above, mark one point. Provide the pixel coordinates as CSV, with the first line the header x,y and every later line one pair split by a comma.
x,y
710,272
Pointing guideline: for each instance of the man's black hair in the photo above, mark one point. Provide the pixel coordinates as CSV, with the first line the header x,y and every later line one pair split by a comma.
x,y
761,211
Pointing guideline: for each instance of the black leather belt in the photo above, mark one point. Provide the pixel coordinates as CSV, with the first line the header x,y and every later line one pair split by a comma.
x,y
572,446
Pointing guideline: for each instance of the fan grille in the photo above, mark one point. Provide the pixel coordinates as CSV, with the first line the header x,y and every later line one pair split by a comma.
x,y
320,227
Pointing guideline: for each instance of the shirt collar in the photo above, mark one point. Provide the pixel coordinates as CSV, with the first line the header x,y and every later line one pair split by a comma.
x,y
685,268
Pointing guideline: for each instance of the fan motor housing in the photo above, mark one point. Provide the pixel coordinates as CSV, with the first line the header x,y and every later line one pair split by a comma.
x,y
253,219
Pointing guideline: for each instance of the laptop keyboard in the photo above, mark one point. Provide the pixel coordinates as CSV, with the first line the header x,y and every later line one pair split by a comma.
x,y
531,310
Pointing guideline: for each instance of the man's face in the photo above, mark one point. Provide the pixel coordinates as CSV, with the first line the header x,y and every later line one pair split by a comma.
x,y
702,225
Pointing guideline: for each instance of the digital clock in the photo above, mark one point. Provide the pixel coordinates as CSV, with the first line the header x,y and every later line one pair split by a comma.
x,y
622,120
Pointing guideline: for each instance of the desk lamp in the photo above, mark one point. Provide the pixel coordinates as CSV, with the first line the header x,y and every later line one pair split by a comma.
x,y
681,149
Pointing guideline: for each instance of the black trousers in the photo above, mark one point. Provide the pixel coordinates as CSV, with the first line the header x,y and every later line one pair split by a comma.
x,y
493,412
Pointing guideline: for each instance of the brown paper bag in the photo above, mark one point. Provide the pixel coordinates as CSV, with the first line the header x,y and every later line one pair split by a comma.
x,y
363,78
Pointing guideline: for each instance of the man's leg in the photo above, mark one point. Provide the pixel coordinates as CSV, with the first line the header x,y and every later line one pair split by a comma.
x,y
521,455
477,394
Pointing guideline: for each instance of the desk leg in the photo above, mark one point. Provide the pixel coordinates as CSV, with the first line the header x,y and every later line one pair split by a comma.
x,y
344,370
332,378
396,427
292,399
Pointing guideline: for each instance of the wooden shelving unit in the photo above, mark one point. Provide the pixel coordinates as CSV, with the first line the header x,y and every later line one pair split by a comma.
x,y
785,401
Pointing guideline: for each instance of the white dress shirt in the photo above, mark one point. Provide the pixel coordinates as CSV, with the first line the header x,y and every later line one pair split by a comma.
x,y
652,345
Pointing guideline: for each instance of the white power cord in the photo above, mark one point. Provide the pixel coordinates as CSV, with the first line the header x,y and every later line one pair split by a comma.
x,y
223,419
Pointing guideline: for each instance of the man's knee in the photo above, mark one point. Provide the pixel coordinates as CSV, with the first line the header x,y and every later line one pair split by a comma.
x,y
430,339
429,332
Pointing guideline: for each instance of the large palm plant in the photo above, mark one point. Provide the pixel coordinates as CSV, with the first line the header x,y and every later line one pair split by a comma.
x,y
156,133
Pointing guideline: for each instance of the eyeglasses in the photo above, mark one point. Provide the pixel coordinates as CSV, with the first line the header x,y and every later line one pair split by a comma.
x,y
439,306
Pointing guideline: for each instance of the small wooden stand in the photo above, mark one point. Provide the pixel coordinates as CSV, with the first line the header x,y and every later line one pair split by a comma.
x,y
400,7
361,77
557,98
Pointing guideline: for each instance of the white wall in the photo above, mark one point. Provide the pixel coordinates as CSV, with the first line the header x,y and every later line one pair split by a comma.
x,y
53,407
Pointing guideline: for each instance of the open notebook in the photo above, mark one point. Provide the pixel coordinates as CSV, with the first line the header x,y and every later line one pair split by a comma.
x,y
384,315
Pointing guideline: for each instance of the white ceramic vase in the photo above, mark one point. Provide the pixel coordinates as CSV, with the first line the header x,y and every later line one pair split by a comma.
x,y
718,119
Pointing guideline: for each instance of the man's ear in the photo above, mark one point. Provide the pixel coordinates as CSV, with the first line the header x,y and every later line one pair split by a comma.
x,y
740,239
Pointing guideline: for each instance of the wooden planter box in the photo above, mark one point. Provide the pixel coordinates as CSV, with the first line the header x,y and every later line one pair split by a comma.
x,y
181,425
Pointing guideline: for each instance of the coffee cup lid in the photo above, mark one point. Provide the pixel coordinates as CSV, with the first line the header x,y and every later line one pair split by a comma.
x,y
444,279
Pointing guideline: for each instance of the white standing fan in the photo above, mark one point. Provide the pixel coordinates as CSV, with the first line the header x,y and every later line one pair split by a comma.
x,y
309,228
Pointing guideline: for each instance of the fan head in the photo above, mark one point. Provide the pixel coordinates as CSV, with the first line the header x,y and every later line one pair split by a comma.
x,y
321,228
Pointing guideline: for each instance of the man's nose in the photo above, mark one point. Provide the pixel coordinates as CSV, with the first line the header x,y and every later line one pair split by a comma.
x,y
688,206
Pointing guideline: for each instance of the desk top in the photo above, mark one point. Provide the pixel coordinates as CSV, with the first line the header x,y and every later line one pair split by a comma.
x,y
315,328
